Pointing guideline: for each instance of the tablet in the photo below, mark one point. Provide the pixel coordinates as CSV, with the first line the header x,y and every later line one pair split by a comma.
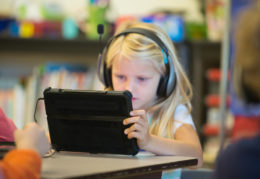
x,y
89,120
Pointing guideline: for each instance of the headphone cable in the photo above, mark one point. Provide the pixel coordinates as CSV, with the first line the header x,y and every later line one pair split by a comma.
x,y
35,109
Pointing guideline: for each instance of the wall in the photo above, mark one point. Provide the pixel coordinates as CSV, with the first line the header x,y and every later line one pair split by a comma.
x,y
77,8
137,7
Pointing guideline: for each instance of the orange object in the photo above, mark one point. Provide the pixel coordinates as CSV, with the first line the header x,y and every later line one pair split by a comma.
x,y
22,164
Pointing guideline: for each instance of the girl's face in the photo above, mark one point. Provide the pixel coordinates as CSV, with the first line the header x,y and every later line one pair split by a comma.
x,y
137,76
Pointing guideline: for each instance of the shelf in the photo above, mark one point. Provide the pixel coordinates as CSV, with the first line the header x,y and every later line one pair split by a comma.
x,y
47,44
59,44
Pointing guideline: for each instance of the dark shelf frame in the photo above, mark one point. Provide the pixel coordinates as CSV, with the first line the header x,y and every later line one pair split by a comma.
x,y
50,45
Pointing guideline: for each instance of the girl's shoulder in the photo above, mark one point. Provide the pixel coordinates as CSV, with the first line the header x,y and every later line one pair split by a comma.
x,y
181,109
182,116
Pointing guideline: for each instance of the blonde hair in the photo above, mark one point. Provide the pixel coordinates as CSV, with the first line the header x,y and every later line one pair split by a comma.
x,y
136,46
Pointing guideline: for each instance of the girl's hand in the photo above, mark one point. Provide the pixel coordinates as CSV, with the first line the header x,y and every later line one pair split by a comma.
x,y
139,127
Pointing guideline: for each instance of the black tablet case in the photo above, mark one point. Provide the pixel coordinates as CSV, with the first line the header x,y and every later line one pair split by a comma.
x,y
89,120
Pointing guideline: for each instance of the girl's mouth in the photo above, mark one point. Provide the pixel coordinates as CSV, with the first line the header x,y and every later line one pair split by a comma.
x,y
134,99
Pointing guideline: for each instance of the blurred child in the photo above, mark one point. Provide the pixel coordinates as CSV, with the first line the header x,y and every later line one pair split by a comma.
x,y
7,128
241,159
24,162
245,104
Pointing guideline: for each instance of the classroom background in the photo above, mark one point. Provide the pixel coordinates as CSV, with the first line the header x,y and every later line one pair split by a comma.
x,y
55,43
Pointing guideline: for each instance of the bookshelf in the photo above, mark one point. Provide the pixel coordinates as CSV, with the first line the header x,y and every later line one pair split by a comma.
x,y
206,75
21,60
31,52
19,56
204,55
211,128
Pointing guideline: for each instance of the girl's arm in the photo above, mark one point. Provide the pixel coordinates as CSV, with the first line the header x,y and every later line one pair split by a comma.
x,y
186,142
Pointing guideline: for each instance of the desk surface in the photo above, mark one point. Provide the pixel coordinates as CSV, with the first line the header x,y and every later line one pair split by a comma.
x,y
84,165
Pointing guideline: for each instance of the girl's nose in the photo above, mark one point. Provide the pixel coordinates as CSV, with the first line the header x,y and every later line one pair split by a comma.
x,y
128,86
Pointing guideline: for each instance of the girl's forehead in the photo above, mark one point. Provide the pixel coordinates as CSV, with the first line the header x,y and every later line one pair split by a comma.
x,y
133,62
141,65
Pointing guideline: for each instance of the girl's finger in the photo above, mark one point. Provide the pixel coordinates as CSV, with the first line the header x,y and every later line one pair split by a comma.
x,y
138,113
132,120
134,127
133,135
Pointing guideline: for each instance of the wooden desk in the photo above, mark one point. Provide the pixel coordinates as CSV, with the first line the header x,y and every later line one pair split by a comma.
x,y
83,165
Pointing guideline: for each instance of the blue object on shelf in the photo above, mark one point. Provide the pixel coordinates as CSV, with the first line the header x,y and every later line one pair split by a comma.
x,y
52,66
175,28
4,23
148,19
14,29
69,29
172,24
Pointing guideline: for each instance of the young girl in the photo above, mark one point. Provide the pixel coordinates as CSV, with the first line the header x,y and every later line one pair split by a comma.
x,y
141,58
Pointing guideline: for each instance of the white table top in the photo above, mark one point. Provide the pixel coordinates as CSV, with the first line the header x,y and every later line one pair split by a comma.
x,y
69,164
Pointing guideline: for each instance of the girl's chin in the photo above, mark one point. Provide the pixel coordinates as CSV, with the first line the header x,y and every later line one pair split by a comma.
x,y
137,107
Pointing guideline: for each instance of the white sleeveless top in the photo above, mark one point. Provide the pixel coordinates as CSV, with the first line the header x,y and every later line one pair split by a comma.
x,y
181,116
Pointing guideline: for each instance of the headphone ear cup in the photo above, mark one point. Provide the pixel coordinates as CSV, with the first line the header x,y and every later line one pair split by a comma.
x,y
162,86
108,77
104,73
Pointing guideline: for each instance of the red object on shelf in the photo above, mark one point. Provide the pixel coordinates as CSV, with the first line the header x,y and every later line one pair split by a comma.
x,y
210,130
213,130
214,74
213,100
38,29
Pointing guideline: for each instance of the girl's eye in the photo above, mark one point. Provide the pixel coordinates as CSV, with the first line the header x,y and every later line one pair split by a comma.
x,y
120,77
142,78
